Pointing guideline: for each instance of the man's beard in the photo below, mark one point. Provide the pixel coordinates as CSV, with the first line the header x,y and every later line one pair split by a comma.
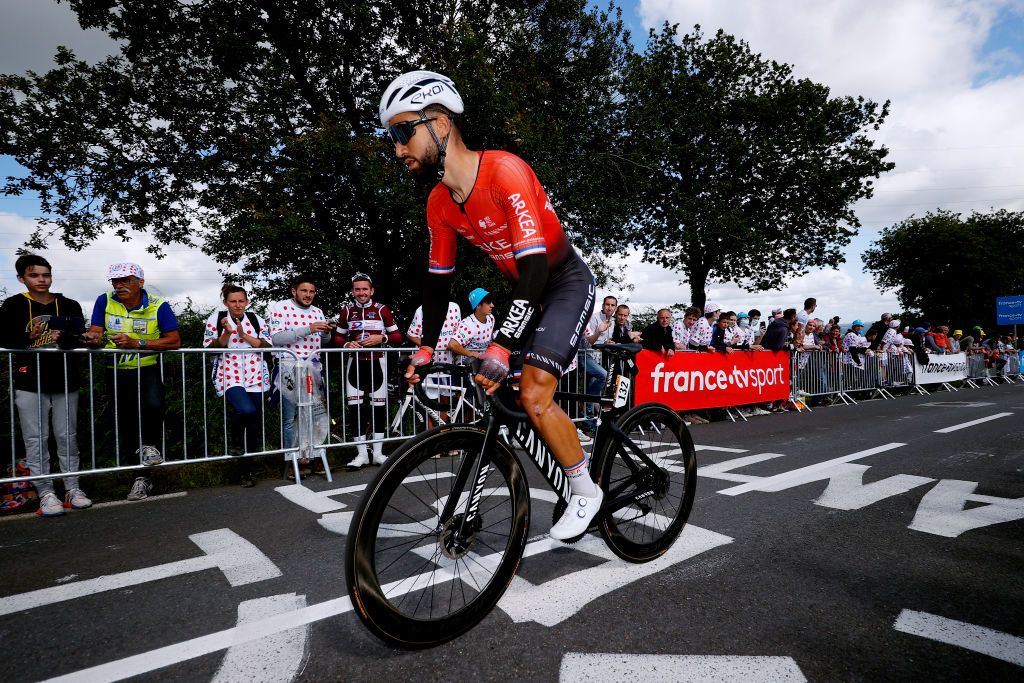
x,y
426,169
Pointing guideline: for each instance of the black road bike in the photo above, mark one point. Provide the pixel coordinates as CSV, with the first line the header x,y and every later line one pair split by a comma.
x,y
442,528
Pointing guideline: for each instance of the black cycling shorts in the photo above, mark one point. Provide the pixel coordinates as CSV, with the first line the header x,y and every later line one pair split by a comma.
x,y
566,305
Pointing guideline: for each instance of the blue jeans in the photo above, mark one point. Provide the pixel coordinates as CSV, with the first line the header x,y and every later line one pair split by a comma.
x,y
287,417
246,424
595,377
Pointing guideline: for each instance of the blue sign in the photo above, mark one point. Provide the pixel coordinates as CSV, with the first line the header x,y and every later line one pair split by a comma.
x,y
1010,310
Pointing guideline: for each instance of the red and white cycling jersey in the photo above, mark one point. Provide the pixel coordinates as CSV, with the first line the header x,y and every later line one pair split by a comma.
x,y
451,324
357,322
507,215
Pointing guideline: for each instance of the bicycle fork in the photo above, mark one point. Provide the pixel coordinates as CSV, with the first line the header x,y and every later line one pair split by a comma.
x,y
475,469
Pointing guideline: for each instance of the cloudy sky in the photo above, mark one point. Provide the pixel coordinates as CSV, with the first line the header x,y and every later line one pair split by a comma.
x,y
953,69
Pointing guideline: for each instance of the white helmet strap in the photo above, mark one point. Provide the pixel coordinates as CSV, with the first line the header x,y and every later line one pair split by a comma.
x,y
442,145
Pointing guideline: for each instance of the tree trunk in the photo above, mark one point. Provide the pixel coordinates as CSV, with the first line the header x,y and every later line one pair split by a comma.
x,y
698,279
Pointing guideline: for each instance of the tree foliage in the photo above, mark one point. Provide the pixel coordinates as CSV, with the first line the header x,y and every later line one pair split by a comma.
x,y
746,174
948,268
250,129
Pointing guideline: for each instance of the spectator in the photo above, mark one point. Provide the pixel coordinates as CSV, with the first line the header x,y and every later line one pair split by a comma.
x,y
700,336
757,327
476,330
132,319
832,323
40,319
879,329
777,334
721,337
940,338
966,343
657,336
242,378
682,329
442,354
833,341
954,341
744,340
366,324
855,345
622,331
802,318
928,341
299,326
598,331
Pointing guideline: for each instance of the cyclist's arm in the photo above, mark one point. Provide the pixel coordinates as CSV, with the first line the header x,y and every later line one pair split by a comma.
x,y
437,288
526,299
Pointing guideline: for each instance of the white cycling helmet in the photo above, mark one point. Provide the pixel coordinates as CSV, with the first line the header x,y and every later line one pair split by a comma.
x,y
416,90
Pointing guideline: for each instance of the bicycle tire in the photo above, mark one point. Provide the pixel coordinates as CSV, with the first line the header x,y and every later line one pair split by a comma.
x,y
459,591
632,533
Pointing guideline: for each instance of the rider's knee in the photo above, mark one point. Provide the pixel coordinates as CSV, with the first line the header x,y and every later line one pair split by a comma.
x,y
535,398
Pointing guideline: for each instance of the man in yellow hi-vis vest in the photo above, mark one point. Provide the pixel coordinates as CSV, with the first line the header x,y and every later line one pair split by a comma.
x,y
130,318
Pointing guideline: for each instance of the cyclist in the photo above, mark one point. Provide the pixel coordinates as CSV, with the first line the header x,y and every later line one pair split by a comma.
x,y
496,202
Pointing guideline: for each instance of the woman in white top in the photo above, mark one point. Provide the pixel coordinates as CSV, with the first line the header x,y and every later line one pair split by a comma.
x,y
242,376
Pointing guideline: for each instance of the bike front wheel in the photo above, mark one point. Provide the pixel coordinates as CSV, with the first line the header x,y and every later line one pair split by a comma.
x,y
649,505
417,580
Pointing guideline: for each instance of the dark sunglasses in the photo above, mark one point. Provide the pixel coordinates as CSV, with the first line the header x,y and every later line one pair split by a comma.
x,y
403,131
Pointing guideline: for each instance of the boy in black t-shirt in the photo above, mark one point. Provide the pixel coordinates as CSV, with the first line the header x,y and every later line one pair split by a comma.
x,y
45,382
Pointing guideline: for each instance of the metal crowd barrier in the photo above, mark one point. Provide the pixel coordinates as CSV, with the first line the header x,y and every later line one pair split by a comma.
x,y
197,424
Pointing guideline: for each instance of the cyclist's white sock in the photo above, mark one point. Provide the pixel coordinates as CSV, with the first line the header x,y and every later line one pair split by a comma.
x,y
579,479
361,445
378,446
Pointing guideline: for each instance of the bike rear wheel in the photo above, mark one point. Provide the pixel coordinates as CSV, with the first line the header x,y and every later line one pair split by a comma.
x,y
415,582
654,503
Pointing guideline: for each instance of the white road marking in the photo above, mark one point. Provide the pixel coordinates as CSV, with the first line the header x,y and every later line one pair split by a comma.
x,y
722,449
804,474
204,645
274,658
309,499
987,641
965,425
957,404
241,562
941,511
587,666
723,470
554,601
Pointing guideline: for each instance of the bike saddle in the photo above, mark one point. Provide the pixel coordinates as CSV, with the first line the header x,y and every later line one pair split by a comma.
x,y
621,350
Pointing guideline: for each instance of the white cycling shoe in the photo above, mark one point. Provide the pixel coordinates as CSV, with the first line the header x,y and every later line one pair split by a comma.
x,y
577,517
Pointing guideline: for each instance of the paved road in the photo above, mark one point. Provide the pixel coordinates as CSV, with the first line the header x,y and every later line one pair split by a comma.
x,y
867,542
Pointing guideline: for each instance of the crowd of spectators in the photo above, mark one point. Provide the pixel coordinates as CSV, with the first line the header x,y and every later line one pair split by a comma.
x,y
130,320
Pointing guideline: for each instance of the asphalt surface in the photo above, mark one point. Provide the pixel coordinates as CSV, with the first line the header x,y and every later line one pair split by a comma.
x,y
853,570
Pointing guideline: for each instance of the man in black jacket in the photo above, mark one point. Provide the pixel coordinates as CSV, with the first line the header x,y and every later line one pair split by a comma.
x,y
657,336
39,319
777,334
879,328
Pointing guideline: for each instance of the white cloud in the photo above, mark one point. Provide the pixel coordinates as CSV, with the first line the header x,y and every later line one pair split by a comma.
x,y
182,274
957,144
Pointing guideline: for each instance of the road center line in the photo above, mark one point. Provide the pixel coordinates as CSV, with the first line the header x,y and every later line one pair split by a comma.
x,y
964,425
987,641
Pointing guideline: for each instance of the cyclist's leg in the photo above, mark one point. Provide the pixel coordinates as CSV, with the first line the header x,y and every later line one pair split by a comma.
x,y
354,397
568,303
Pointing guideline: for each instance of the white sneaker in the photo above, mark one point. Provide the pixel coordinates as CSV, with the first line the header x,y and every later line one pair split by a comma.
x,y
577,517
140,489
379,458
361,460
584,438
50,506
76,500
150,456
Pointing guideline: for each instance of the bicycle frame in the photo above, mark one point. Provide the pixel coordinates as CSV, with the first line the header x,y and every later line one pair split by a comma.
x,y
613,400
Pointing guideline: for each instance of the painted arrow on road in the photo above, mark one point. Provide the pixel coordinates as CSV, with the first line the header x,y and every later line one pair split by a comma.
x,y
240,561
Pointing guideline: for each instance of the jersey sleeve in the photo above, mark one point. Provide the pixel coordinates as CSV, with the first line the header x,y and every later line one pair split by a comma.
x,y
391,330
416,326
165,318
516,191
210,329
442,238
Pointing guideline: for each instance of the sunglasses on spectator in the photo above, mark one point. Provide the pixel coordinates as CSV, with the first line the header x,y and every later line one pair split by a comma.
x,y
403,131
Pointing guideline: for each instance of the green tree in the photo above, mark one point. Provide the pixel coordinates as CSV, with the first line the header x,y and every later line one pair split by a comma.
x,y
947,268
746,174
250,129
